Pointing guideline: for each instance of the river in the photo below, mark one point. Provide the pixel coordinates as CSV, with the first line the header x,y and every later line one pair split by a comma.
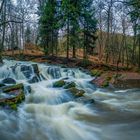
x,y
53,114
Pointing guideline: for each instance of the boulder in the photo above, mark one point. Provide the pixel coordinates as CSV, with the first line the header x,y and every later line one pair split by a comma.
x,y
35,68
85,100
96,72
28,89
59,83
70,85
127,83
27,71
8,81
76,92
34,79
12,88
54,72
2,85
25,68
16,96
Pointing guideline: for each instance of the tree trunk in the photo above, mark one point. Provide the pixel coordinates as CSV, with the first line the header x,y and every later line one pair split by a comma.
x,y
68,39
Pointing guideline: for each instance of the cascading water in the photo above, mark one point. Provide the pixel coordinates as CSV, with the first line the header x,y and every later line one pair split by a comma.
x,y
53,114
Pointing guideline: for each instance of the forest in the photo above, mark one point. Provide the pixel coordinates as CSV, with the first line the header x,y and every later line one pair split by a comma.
x,y
108,30
69,69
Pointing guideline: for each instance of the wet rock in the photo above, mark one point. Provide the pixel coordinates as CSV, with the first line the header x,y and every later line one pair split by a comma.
x,y
34,79
103,80
70,85
32,73
127,83
28,89
42,77
14,68
96,73
2,85
35,68
66,78
27,71
17,96
8,81
70,73
12,88
60,83
85,100
25,68
76,92
54,72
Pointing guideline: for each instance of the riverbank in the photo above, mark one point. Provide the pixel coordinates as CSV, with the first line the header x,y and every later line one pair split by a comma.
x,y
106,75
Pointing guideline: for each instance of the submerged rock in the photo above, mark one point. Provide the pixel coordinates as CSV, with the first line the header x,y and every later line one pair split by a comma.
x,y
70,85
85,100
76,92
28,89
34,79
32,73
59,83
8,81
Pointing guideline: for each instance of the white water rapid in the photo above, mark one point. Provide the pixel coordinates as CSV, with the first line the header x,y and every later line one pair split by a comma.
x,y
53,114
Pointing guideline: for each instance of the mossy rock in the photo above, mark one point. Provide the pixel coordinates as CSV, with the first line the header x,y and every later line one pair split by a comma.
x,y
76,92
9,81
11,88
58,84
13,106
96,73
70,85
105,84
19,96
2,85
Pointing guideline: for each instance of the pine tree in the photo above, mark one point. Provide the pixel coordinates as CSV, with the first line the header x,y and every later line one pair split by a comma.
x,y
71,13
135,19
49,26
89,27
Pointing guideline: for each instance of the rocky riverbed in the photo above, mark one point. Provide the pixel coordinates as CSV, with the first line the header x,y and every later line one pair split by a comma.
x,y
61,103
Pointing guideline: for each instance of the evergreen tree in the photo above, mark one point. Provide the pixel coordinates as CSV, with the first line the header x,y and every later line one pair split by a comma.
x,y
71,13
89,27
49,26
135,19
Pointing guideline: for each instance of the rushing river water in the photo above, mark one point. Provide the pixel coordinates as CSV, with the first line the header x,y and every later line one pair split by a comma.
x,y
52,114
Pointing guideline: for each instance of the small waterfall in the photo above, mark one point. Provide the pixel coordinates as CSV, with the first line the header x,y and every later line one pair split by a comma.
x,y
54,114
54,72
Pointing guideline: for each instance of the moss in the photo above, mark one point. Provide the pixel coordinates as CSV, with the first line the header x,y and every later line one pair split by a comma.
x,y
117,75
96,73
108,78
60,83
70,85
13,106
105,84
11,88
13,101
76,92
